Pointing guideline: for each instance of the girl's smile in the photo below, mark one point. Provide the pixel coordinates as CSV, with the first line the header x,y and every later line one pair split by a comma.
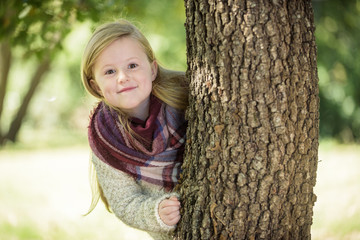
x,y
127,89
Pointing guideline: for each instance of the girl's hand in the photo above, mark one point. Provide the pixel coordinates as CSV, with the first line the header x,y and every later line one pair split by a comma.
x,y
169,211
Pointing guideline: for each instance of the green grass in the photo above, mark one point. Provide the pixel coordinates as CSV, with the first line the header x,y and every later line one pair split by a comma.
x,y
337,210
20,231
45,191
343,228
44,194
61,137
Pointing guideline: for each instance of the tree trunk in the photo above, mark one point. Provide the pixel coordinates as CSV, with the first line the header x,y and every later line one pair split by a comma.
x,y
34,83
251,157
5,64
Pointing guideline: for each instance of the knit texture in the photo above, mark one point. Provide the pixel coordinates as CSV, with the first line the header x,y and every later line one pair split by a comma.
x,y
158,163
134,202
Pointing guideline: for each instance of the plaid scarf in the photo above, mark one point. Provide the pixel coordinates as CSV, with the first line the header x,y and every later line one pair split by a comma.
x,y
156,160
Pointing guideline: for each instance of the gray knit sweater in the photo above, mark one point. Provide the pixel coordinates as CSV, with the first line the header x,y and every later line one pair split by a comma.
x,y
134,202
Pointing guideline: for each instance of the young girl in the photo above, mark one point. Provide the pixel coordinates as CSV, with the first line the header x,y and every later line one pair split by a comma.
x,y
137,130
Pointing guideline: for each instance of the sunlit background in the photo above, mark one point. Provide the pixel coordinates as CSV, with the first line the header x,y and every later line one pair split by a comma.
x,y
44,112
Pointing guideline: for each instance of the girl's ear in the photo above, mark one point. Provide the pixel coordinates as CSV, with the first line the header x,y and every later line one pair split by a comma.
x,y
154,70
95,86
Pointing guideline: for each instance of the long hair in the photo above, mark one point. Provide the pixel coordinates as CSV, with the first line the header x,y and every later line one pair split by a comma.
x,y
169,86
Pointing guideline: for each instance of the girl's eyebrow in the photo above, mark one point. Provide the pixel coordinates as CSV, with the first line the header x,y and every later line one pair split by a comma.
x,y
131,58
106,66
102,67
126,60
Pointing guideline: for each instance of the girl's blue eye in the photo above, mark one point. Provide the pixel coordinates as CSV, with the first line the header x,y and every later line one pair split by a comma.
x,y
132,65
109,72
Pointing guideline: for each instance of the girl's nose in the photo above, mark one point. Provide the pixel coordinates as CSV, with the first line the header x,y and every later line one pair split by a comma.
x,y
122,77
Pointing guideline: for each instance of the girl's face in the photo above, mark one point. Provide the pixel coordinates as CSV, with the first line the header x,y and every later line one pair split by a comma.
x,y
123,76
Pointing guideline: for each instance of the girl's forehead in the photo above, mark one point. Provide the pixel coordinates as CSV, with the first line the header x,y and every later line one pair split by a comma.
x,y
124,45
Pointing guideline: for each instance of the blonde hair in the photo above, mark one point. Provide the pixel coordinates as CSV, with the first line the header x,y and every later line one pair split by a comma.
x,y
169,86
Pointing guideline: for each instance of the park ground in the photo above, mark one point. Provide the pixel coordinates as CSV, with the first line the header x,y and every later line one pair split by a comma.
x,y
44,193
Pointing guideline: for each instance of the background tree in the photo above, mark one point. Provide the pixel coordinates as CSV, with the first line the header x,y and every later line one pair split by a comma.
x,y
251,157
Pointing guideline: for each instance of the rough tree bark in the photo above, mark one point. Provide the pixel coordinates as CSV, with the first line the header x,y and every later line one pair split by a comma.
x,y
252,149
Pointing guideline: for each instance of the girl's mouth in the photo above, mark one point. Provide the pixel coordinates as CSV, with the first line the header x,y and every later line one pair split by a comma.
x,y
127,89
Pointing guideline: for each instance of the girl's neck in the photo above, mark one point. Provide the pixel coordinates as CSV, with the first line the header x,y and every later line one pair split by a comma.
x,y
142,111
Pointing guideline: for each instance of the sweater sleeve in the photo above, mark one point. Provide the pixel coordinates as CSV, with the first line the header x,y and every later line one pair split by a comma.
x,y
128,201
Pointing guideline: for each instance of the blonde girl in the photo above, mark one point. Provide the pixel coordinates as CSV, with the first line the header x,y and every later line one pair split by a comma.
x,y
137,130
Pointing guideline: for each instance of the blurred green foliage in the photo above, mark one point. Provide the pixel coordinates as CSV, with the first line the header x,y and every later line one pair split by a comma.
x,y
40,25
338,36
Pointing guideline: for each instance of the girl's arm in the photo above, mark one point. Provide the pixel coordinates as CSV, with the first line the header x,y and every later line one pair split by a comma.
x,y
128,201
